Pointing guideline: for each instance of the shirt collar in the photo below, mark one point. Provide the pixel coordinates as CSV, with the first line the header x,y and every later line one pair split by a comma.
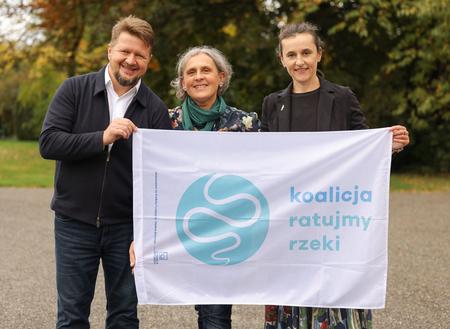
x,y
108,84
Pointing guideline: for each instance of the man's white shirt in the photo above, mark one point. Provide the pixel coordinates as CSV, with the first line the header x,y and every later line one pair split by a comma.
x,y
118,104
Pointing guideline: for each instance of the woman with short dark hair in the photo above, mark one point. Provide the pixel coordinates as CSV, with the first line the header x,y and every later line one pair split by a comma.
x,y
311,103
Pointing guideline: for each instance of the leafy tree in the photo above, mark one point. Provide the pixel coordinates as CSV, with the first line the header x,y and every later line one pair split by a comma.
x,y
9,89
63,24
34,97
242,30
394,54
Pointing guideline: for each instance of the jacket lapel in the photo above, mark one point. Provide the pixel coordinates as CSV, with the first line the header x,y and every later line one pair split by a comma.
x,y
325,106
138,101
283,108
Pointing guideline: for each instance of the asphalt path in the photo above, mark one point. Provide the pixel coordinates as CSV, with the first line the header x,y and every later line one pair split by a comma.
x,y
418,294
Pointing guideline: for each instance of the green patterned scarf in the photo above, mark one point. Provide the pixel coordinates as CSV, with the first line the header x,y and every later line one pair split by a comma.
x,y
194,116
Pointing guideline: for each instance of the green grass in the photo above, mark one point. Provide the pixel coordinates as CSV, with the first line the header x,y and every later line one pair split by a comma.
x,y
420,183
22,166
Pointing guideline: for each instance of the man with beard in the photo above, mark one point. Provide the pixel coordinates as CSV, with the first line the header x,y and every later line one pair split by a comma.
x,y
87,131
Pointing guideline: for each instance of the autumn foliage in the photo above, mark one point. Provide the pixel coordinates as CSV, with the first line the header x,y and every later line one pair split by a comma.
x,y
393,54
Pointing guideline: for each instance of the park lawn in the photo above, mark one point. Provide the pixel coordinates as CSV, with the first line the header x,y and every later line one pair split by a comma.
x,y
414,182
22,166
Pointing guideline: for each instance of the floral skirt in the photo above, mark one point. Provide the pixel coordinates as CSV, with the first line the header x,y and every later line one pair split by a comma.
x,y
288,317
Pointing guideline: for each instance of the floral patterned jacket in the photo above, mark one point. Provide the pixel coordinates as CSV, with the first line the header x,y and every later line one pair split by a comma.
x,y
232,119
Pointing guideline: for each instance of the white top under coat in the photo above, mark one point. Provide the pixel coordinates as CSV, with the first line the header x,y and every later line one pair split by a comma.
x,y
118,105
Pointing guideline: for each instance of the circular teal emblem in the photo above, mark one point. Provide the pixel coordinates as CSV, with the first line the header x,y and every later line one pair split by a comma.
x,y
222,219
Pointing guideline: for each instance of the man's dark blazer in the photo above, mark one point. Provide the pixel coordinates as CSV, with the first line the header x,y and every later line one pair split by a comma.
x,y
338,109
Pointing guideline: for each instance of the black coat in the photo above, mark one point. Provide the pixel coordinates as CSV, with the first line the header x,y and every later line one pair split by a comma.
x,y
91,185
338,109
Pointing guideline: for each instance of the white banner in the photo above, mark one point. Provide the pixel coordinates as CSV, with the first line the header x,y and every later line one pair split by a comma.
x,y
262,218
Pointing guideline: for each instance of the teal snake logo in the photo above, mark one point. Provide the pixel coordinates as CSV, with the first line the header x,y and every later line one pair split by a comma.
x,y
222,219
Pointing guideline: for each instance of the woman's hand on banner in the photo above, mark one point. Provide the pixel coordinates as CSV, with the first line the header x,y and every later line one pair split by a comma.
x,y
132,257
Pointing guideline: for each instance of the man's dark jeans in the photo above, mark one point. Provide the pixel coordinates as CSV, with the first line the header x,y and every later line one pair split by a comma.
x,y
79,249
214,316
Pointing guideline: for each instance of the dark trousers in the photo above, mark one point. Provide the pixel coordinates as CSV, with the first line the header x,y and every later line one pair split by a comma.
x,y
214,316
79,248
